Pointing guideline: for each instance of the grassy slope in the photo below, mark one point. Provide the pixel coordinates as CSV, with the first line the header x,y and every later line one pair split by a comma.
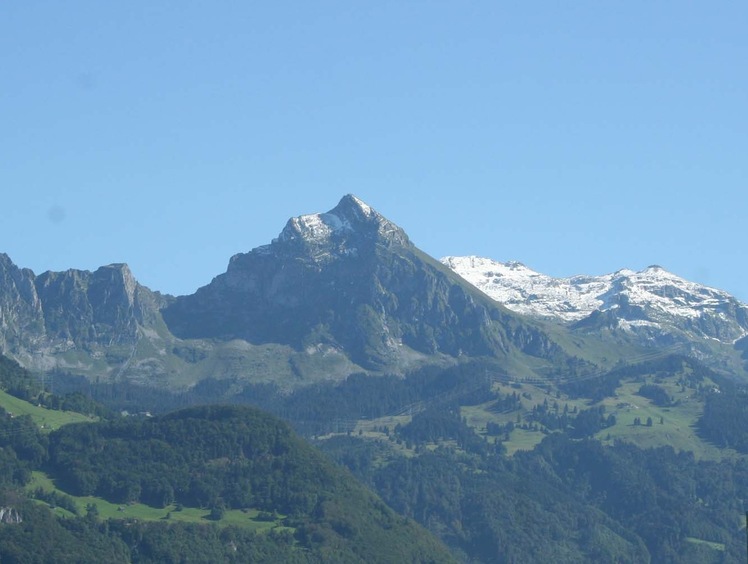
x,y
47,419
678,427
107,510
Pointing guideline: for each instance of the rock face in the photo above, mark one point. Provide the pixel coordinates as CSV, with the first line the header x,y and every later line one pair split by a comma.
x,y
351,280
21,315
45,316
102,307
652,306
10,515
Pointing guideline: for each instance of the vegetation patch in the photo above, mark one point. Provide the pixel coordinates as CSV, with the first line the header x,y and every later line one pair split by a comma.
x,y
46,419
713,545
253,519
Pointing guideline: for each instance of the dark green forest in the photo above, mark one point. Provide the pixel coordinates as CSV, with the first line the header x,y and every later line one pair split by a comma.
x,y
725,419
567,500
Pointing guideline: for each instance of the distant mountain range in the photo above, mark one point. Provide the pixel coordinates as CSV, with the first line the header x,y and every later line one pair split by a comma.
x,y
347,291
654,293
653,306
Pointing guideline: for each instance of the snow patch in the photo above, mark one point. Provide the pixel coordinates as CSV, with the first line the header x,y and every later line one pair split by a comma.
x,y
318,227
363,206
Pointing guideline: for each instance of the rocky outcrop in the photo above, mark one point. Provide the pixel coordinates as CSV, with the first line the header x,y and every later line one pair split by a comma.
x,y
104,307
21,314
10,515
46,317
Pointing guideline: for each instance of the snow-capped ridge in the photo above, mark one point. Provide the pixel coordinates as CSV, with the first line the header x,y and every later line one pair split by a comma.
x,y
652,297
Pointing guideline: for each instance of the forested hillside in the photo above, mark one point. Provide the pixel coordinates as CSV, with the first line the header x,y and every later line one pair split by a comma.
x,y
565,501
230,483
436,444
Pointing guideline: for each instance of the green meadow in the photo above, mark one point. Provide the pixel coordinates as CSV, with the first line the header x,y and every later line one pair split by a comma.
x,y
246,518
46,419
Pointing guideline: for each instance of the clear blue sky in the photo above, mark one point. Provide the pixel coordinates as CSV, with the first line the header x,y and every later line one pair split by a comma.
x,y
576,137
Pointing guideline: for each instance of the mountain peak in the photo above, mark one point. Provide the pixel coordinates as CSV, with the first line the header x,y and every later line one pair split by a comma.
x,y
351,216
350,204
118,274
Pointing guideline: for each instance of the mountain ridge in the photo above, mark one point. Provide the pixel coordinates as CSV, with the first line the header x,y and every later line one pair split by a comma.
x,y
334,294
73,308
651,306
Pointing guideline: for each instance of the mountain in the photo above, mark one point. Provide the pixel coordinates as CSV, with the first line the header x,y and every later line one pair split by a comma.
x,y
652,306
350,284
334,294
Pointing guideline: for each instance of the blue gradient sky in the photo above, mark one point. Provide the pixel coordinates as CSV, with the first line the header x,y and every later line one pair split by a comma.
x,y
576,137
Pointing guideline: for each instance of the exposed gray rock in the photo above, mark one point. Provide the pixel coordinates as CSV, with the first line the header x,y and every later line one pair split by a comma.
x,y
76,320
10,515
